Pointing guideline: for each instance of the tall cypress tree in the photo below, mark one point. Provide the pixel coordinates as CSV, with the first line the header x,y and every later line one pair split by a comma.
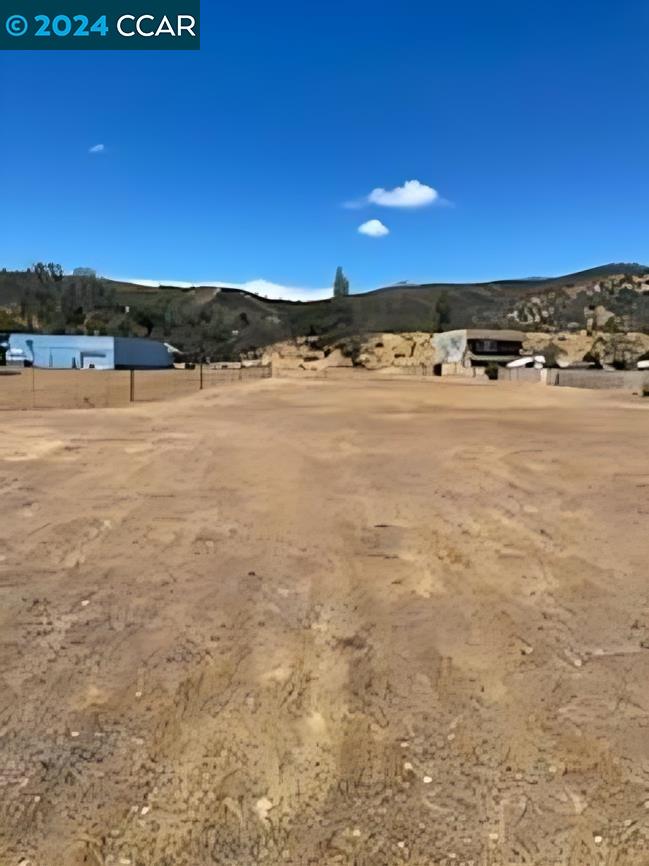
x,y
341,284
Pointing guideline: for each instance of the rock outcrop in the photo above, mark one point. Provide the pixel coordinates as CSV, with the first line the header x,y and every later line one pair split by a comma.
x,y
564,349
397,350
303,353
416,349
374,352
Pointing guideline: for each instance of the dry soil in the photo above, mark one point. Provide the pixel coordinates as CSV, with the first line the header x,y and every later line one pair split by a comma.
x,y
310,622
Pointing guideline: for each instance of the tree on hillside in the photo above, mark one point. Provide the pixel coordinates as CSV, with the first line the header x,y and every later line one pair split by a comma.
x,y
40,269
341,284
49,271
443,310
55,271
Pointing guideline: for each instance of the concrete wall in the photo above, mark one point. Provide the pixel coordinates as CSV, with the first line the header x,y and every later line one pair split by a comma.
x,y
630,380
458,369
522,374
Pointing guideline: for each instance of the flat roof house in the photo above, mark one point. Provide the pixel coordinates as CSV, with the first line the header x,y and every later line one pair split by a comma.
x,y
477,347
71,351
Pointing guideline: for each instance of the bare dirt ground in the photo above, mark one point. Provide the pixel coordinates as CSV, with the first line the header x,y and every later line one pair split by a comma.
x,y
327,623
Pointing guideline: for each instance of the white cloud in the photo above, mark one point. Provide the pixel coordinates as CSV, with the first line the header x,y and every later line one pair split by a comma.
x,y
263,288
374,229
287,293
412,194
98,148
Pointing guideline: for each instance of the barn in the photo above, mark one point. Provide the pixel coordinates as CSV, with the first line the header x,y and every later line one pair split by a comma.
x,y
71,351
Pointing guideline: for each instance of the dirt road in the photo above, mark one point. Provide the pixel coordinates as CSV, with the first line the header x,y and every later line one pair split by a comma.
x,y
327,623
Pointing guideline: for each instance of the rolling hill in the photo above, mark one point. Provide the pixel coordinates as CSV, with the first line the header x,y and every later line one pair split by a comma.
x,y
224,322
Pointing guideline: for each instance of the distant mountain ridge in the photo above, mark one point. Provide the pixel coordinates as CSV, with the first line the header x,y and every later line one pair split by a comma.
x,y
220,321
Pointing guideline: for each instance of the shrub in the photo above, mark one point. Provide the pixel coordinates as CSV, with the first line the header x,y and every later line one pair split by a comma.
x,y
492,370
551,353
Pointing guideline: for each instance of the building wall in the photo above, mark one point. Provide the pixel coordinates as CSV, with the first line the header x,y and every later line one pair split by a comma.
x,y
68,351
137,353
64,352
450,347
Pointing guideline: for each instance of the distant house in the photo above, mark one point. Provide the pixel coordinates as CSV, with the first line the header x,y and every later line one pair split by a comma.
x,y
69,352
477,347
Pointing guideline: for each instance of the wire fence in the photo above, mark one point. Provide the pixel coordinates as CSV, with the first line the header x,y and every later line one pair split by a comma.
x,y
35,388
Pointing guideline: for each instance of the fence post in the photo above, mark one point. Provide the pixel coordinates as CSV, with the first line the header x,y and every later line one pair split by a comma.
x,y
200,385
132,393
33,387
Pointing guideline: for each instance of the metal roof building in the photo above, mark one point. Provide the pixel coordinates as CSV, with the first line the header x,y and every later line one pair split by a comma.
x,y
69,351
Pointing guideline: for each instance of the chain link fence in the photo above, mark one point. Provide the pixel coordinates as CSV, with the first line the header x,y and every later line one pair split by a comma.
x,y
35,388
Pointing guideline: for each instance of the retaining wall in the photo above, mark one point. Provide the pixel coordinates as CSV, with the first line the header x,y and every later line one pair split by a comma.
x,y
630,380
522,374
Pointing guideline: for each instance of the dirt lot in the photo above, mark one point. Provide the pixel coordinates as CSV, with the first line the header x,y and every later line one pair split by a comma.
x,y
327,623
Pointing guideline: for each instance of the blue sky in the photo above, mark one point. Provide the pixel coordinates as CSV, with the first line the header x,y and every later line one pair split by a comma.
x,y
234,163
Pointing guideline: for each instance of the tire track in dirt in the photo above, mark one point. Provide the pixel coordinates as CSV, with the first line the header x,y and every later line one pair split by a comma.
x,y
316,623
